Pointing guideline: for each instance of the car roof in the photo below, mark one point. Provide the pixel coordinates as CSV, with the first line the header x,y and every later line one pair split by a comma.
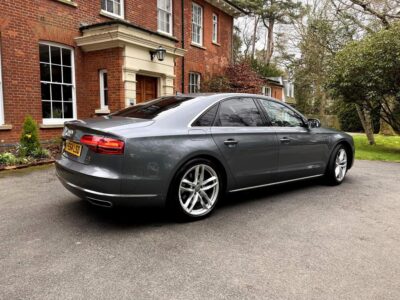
x,y
200,102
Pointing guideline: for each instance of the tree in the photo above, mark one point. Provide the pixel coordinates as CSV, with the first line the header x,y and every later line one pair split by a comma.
x,y
248,34
369,16
367,73
236,44
320,36
238,78
272,12
265,70
29,140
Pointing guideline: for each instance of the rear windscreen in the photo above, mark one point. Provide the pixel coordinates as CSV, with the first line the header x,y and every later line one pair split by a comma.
x,y
153,108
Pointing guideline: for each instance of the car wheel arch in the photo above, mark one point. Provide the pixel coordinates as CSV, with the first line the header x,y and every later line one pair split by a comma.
x,y
348,149
221,167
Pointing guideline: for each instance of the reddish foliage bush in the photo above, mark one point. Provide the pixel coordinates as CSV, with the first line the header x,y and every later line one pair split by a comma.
x,y
238,78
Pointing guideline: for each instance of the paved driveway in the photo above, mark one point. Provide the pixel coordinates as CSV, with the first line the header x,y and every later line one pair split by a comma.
x,y
303,240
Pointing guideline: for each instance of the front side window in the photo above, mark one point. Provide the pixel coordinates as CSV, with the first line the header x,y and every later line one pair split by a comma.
x,y
281,115
164,16
241,112
1,96
57,82
194,82
215,29
197,24
103,89
114,7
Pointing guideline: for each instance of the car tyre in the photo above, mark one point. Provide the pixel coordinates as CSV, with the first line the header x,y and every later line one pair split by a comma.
x,y
337,166
195,190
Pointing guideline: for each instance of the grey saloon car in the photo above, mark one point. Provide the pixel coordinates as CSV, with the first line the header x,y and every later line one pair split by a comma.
x,y
186,151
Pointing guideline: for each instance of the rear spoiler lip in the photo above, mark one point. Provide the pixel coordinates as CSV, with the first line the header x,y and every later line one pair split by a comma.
x,y
79,124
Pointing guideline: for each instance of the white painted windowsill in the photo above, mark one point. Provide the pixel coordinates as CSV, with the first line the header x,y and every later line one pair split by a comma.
x,y
53,123
198,46
102,111
110,15
5,127
68,2
51,126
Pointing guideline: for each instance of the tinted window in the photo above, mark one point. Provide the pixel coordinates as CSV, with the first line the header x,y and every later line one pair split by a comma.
x,y
280,115
238,112
206,119
152,109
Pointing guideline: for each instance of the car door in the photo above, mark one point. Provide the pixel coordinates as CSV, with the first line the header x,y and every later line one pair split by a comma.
x,y
249,147
302,150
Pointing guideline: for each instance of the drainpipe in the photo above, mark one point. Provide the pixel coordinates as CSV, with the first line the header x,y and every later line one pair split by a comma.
x,y
183,43
233,29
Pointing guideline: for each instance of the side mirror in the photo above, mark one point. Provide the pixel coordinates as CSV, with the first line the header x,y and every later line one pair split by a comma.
x,y
314,123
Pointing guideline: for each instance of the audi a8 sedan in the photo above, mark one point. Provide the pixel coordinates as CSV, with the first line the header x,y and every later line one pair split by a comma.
x,y
186,151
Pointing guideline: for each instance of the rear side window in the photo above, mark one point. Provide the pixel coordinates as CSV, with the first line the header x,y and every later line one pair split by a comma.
x,y
206,119
239,112
153,108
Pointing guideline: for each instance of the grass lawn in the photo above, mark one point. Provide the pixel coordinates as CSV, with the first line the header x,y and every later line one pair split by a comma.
x,y
387,148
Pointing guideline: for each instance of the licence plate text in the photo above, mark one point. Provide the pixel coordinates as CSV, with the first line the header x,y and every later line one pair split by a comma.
x,y
73,148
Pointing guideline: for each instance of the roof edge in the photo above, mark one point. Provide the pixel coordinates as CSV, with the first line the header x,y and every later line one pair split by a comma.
x,y
128,24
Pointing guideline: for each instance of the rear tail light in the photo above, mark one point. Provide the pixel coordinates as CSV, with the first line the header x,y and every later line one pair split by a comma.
x,y
104,145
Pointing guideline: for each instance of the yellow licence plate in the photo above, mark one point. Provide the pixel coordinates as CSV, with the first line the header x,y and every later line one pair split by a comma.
x,y
73,148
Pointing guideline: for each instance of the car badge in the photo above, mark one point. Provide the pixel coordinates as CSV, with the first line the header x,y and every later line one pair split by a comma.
x,y
68,132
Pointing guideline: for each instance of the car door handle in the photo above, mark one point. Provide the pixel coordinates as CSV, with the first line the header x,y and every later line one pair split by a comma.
x,y
231,142
285,140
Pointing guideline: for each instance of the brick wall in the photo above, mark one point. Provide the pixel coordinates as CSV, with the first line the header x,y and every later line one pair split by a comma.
x,y
24,23
212,58
93,62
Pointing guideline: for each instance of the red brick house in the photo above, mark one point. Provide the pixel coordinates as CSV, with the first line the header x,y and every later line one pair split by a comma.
x,y
279,88
273,87
67,59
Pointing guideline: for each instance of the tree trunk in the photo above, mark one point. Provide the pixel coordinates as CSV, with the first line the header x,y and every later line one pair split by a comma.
x,y
265,46
365,118
387,122
385,128
270,42
253,46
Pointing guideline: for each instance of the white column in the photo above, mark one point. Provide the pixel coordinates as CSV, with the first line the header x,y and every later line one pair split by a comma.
x,y
167,85
129,78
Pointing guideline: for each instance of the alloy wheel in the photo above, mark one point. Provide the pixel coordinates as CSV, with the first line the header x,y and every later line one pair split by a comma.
x,y
198,190
340,164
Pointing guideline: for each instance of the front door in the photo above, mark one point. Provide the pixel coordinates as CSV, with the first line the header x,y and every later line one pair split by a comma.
x,y
146,88
302,151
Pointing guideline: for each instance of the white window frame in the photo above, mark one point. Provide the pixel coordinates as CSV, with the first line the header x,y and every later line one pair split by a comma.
x,y
215,28
1,94
112,14
60,121
169,14
194,82
103,89
200,9
266,91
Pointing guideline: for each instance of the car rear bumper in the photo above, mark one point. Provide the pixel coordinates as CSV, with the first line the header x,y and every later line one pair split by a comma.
x,y
100,190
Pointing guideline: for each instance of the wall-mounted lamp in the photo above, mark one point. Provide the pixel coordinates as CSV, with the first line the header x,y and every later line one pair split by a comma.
x,y
159,52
